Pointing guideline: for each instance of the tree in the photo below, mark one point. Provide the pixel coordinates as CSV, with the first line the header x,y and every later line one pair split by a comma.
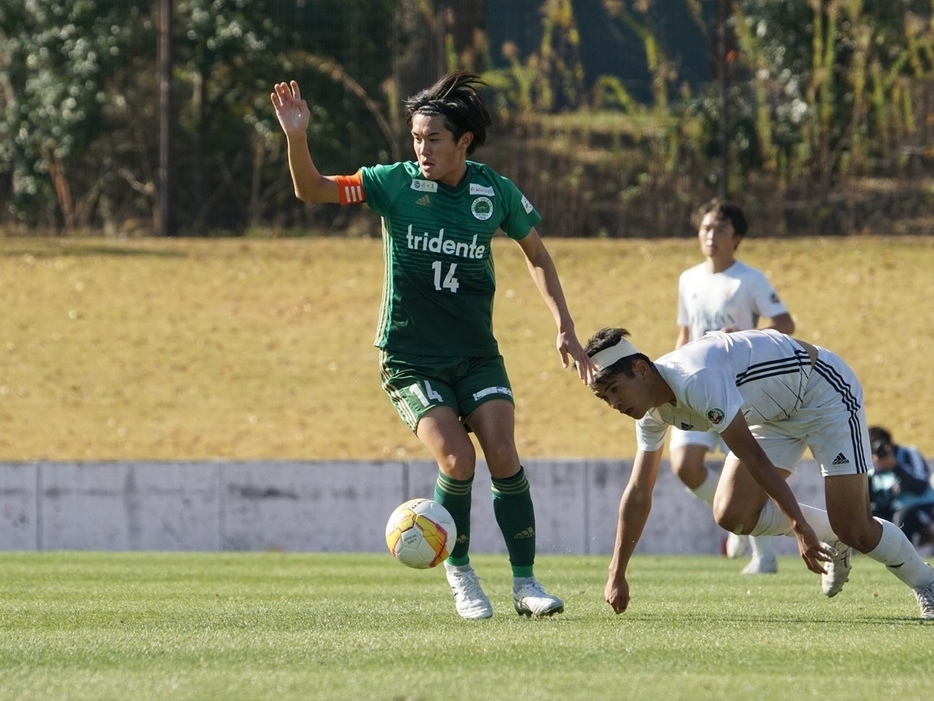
x,y
831,80
60,66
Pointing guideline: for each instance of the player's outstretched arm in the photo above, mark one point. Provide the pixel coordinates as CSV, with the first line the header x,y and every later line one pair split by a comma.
x,y
742,443
543,272
634,508
293,115
783,323
684,336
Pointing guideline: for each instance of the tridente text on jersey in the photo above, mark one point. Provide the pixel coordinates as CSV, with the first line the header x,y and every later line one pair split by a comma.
x,y
439,244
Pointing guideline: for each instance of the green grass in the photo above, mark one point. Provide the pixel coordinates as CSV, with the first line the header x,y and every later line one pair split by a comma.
x,y
262,349
333,626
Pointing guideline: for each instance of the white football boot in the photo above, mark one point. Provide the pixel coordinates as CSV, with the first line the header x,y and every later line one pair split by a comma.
x,y
763,559
925,596
469,599
838,570
761,564
531,599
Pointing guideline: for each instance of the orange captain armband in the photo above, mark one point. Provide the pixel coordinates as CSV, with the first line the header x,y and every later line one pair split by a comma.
x,y
350,188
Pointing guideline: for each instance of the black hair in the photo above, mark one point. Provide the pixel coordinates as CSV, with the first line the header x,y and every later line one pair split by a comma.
x,y
880,440
607,338
725,210
457,99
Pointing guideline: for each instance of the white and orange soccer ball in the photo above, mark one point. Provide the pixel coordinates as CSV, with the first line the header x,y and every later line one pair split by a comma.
x,y
421,533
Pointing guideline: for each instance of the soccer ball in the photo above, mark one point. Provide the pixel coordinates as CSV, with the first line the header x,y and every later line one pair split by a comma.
x,y
421,533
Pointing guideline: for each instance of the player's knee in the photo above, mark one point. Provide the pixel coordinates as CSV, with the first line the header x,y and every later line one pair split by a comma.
x,y
860,535
729,519
501,458
681,472
731,525
691,474
459,466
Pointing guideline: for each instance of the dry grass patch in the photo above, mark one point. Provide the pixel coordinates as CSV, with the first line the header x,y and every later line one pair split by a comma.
x,y
248,349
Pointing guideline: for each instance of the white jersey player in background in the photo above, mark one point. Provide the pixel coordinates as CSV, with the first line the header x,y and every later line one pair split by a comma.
x,y
722,294
770,397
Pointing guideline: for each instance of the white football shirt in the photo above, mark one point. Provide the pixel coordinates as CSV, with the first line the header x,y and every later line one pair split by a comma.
x,y
762,373
738,297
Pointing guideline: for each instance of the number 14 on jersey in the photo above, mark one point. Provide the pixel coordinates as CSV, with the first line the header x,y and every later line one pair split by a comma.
x,y
449,282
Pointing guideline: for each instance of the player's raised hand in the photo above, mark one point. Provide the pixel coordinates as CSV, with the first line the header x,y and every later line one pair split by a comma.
x,y
291,110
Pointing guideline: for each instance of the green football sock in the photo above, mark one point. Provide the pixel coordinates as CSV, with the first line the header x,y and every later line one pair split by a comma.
x,y
454,495
512,505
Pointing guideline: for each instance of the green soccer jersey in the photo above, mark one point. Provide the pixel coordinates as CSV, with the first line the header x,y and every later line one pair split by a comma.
x,y
439,280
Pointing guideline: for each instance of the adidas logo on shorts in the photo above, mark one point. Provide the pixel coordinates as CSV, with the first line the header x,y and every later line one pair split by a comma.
x,y
840,460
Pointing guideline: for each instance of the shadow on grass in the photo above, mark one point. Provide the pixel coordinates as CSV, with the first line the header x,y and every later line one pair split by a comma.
x,y
784,620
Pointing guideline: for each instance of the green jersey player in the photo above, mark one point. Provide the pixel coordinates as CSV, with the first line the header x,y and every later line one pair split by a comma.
x,y
439,360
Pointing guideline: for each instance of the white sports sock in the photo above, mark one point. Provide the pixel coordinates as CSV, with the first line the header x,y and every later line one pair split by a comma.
x,y
762,546
771,522
899,556
706,490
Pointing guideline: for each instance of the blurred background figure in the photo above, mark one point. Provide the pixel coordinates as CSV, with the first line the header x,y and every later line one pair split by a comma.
x,y
900,489
722,294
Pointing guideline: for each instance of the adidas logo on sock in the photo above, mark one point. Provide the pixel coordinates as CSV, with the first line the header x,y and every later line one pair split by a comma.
x,y
840,460
527,533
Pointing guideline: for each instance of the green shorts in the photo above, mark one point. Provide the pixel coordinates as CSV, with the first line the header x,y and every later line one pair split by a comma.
x,y
417,384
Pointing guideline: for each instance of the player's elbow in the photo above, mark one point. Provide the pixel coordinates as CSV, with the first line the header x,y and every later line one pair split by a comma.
x,y
784,323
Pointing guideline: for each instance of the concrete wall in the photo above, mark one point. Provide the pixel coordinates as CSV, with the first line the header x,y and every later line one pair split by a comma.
x,y
327,506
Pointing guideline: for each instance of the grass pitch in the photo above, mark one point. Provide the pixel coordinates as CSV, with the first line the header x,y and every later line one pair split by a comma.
x,y
281,626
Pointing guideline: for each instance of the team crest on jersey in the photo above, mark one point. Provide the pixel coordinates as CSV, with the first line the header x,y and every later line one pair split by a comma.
x,y
482,208
424,185
715,416
477,189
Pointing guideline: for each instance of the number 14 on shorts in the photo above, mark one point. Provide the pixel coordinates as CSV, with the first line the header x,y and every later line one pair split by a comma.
x,y
426,395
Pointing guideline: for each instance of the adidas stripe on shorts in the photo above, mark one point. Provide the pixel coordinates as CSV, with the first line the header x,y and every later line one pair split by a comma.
x,y
831,422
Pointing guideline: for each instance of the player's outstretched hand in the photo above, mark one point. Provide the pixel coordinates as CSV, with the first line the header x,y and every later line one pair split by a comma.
x,y
291,110
568,345
617,593
812,551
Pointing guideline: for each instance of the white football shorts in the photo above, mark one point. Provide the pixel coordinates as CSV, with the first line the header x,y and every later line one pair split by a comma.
x,y
830,421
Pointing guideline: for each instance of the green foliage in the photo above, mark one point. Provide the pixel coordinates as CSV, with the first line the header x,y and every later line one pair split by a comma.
x,y
820,91
59,64
827,82
79,118
552,75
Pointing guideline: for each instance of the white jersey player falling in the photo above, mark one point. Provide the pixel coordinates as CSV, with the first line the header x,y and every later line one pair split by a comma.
x,y
790,396
789,404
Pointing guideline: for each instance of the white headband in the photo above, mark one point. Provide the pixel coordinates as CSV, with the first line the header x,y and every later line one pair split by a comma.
x,y
608,356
